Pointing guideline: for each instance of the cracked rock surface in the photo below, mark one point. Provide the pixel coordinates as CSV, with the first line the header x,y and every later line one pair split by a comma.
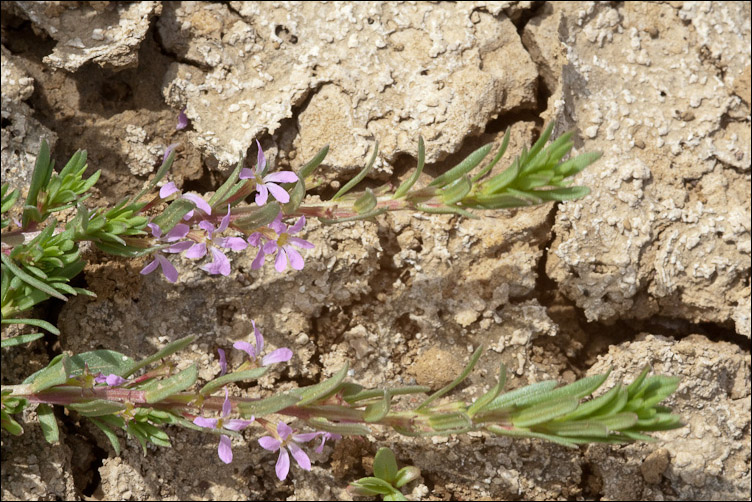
x,y
652,267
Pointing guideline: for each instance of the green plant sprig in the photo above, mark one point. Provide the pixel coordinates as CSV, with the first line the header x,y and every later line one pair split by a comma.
x,y
160,396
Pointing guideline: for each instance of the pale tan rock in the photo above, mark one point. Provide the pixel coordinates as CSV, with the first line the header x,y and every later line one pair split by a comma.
x,y
666,230
106,33
361,72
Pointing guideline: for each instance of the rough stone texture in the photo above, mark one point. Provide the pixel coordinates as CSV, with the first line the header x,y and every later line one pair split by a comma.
x,y
106,33
714,396
667,228
32,468
394,296
372,71
21,133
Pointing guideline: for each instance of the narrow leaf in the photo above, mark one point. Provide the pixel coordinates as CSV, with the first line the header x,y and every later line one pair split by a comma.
x,y
97,407
496,159
362,174
408,183
33,322
321,390
544,411
454,383
489,396
20,339
378,410
308,169
31,281
54,374
238,376
165,351
464,167
267,406
109,433
162,389
48,422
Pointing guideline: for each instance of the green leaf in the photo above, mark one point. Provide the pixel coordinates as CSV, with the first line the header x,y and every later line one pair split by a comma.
x,y
577,390
378,410
489,396
161,389
365,202
454,422
56,373
408,183
592,407
352,393
97,407
563,193
267,406
321,390
385,465
173,214
259,217
308,169
454,383
577,164
496,159
362,174
20,339
372,486
544,411
48,422
222,191
618,421
580,428
100,361
376,212
31,281
395,495
9,424
456,191
39,179
406,475
464,167
238,376
345,429
109,433
165,351
297,194
525,433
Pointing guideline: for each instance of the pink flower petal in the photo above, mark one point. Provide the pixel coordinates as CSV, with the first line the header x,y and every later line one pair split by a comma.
x,y
225,449
167,190
280,263
234,243
301,243
182,124
114,380
178,232
255,239
237,425
262,193
222,362
279,193
168,269
297,226
258,262
206,226
261,163
226,405
151,267
300,456
179,247
270,247
283,430
245,174
259,338
283,464
200,203
156,232
269,443
220,263
296,261
277,225
281,177
209,423
246,347
197,251
225,221
304,438
278,356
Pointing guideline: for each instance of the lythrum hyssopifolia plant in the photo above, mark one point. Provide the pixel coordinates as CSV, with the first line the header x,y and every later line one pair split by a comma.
x,y
264,211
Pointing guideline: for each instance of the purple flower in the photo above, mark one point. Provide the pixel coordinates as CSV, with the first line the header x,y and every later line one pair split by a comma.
x,y
112,380
268,184
225,443
283,246
324,436
169,270
220,264
182,120
278,356
285,441
222,362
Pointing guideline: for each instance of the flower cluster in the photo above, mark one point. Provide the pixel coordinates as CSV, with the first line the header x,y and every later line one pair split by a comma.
x,y
198,236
